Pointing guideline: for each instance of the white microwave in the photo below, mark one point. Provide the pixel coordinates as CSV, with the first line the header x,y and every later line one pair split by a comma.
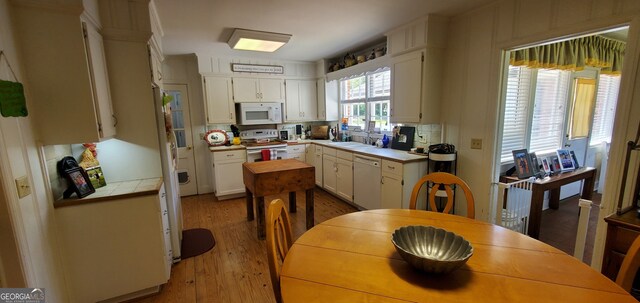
x,y
259,113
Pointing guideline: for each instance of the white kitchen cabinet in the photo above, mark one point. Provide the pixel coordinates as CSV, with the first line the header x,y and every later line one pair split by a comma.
x,y
429,31
103,241
258,89
155,58
219,104
344,175
392,184
398,180
301,100
338,172
317,162
406,87
227,171
296,152
327,100
309,154
329,169
68,83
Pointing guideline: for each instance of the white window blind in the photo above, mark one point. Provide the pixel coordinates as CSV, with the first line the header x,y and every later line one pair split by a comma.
x,y
547,124
516,112
604,112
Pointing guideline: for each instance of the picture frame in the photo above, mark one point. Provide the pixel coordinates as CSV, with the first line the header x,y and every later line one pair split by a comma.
x,y
575,159
79,182
554,164
566,162
96,176
545,165
534,163
523,163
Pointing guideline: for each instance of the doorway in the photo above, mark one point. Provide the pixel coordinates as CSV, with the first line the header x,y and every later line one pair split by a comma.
x,y
182,129
546,107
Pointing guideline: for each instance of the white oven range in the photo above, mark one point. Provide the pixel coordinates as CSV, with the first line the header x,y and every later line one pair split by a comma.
x,y
257,140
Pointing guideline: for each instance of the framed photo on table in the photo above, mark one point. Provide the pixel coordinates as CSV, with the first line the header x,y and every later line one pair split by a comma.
x,y
79,182
523,163
545,165
566,162
554,164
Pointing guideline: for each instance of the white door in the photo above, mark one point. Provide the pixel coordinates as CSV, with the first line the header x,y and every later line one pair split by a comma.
x,y
182,130
582,99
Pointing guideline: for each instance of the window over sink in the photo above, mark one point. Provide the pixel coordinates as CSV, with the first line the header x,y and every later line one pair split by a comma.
x,y
367,98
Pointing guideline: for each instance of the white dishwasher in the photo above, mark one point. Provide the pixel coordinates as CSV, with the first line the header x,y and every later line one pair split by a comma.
x,y
366,182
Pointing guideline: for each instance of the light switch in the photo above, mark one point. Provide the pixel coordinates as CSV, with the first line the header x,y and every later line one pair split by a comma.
x,y
23,187
476,143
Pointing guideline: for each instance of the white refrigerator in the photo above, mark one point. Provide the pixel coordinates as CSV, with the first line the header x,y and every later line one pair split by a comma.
x,y
168,154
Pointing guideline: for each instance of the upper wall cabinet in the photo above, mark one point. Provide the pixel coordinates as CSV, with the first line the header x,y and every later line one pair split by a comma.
x,y
406,87
258,89
327,100
301,104
66,70
430,31
219,100
417,51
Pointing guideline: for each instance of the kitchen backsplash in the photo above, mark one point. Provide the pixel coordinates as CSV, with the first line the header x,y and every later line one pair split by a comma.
x,y
53,154
425,135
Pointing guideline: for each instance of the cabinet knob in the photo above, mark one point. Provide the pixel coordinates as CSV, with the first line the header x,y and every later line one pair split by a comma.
x,y
189,147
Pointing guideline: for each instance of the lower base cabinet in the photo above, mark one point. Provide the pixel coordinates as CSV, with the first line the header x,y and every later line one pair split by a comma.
x,y
119,243
227,172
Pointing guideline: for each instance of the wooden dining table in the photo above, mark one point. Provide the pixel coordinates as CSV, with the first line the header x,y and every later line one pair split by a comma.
x,y
351,258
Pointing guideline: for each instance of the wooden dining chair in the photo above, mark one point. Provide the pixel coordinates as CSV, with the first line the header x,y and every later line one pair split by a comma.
x,y
278,241
629,266
446,180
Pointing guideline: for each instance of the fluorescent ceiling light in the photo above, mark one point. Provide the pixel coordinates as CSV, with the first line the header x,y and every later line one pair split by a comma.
x,y
244,39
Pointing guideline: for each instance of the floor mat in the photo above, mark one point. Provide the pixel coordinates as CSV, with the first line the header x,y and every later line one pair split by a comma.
x,y
196,242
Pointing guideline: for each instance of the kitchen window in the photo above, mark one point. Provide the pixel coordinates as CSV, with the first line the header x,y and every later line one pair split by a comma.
x,y
367,98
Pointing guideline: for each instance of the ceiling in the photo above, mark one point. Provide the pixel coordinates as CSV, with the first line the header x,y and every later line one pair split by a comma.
x,y
319,28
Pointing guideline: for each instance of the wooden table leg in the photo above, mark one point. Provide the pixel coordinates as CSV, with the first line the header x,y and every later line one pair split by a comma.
x,y
249,199
260,220
535,212
309,203
587,187
554,198
292,202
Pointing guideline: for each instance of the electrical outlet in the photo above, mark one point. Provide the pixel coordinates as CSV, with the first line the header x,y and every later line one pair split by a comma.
x,y
476,143
23,187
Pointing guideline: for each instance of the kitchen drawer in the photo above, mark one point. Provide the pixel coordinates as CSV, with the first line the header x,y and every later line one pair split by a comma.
x,y
295,149
390,167
318,149
329,151
239,155
344,155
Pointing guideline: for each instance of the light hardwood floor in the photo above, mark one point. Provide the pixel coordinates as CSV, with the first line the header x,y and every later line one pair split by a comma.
x,y
236,269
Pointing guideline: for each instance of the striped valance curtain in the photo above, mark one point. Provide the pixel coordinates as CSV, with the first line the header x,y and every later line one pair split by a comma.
x,y
575,54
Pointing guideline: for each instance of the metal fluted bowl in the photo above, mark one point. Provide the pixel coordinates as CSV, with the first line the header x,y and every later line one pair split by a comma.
x,y
431,249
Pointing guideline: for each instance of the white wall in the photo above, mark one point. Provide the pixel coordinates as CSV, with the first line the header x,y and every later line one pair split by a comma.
x,y
26,224
472,79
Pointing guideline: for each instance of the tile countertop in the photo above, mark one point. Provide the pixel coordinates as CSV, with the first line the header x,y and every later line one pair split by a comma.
x,y
115,190
355,147
225,148
369,150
